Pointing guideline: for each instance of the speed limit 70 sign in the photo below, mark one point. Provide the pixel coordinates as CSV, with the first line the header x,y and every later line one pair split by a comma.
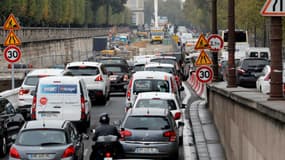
x,y
204,74
12,54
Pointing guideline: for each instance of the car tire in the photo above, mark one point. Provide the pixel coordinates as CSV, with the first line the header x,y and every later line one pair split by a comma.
x,y
3,146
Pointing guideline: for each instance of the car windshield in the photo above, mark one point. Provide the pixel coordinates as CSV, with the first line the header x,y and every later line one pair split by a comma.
x,y
41,137
162,69
139,67
32,80
147,123
148,85
112,61
82,71
156,103
116,69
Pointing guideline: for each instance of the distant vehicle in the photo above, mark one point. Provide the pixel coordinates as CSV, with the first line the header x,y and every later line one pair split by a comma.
x,y
263,81
156,36
95,76
62,98
112,60
241,39
162,134
246,70
11,122
259,52
28,86
48,139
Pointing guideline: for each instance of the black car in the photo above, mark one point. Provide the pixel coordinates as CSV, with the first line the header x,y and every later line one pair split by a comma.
x,y
247,70
11,122
119,76
112,60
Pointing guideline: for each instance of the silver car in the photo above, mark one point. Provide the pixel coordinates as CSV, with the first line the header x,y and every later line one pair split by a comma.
x,y
48,139
150,133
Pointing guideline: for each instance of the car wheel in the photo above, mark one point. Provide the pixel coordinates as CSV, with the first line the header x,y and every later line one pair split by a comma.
x,y
3,146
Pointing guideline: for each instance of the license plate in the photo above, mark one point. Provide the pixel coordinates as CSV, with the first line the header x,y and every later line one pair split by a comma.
x,y
146,150
41,156
49,115
108,158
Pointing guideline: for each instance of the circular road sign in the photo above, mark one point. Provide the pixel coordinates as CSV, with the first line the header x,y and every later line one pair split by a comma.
x,y
12,54
204,74
216,42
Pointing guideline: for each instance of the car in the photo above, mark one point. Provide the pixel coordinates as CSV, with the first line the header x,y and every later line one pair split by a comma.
x,y
118,76
263,81
162,100
169,59
28,86
246,70
48,139
149,81
138,66
112,60
63,98
150,133
223,66
11,122
95,76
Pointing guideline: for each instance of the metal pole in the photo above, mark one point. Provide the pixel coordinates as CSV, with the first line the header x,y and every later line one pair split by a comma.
x,y
276,92
13,76
215,31
231,48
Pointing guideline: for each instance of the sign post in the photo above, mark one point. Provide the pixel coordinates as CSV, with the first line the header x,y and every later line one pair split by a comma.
x,y
12,53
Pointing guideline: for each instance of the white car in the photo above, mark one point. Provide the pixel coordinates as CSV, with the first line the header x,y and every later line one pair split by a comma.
x,y
263,82
95,77
150,81
29,84
162,100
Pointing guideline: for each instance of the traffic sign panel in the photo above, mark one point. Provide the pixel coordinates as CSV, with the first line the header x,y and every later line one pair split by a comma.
x,y
11,23
204,74
202,43
203,59
12,54
12,39
273,8
216,42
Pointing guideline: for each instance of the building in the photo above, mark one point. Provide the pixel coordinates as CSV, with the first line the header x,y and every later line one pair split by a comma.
x,y
137,9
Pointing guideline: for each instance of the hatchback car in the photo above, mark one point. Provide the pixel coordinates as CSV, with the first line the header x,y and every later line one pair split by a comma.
x,y
95,76
247,70
11,122
150,133
162,100
28,86
48,139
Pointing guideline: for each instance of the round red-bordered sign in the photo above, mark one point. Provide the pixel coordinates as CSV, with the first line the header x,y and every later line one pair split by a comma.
x,y
43,101
204,74
12,54
216,42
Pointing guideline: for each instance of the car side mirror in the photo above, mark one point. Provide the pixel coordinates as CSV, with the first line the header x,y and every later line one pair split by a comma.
x,y
180,124
183,106
181,88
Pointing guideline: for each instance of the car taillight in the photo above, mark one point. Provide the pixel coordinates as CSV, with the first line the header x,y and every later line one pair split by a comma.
x,y
129,95
23,91
177,115
83,114
108,154
125,133
68,152
33,109
241,71
99,78
14,153
126,77
171,135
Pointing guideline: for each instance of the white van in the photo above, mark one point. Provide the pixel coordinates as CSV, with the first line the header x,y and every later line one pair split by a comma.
x,y
259,52
150,81
63,98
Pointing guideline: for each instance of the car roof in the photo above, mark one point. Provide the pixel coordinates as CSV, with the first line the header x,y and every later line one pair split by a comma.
x,y
161,95
154,64
60,79
151,74
45,71
148,112
83,63
58,124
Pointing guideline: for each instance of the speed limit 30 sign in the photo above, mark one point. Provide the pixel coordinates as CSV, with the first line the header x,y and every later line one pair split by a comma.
x,y
204,74
12,54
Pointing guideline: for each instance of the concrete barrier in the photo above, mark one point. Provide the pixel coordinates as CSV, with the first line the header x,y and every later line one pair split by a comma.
x,y
198,87
11,95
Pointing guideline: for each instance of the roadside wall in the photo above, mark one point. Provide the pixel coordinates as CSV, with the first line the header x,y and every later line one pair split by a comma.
x,y
250,126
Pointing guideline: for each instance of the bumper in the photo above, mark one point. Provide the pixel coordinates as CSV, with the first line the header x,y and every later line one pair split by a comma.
x,y
247,81
165,149
96,94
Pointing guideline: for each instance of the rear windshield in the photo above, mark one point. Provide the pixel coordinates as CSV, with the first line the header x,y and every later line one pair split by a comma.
x,y
156,103
116,69
161,69
167,61
42,138
82,71
254,63
149,85
113,61
61,89
139,67
147,123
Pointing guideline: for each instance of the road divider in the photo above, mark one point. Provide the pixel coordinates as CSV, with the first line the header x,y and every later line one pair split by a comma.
x,y
198,87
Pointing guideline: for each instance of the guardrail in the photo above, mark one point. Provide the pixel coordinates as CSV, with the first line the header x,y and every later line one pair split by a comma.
x,y
11,95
